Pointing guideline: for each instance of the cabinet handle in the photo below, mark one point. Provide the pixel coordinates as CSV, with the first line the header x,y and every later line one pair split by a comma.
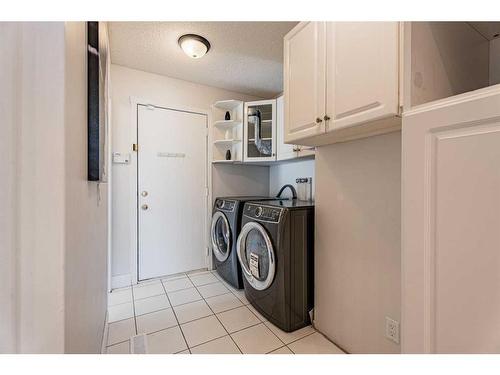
x,y
326,118
318,120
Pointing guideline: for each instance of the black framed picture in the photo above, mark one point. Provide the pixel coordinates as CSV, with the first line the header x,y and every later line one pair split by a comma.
x,y
93,104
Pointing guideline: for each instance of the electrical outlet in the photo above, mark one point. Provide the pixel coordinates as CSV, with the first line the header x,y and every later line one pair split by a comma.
x,y
392,329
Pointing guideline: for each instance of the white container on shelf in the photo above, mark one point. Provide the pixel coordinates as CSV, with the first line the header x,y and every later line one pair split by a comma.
x,y
304,188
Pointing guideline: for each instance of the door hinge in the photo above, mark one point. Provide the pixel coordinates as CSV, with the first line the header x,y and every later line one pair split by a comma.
x,y
135,147
206,192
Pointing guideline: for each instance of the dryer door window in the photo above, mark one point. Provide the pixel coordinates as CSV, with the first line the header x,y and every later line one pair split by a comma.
x,y
221,236
256,255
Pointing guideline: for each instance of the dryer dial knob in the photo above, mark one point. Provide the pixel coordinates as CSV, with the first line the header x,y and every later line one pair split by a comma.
x,y
258,211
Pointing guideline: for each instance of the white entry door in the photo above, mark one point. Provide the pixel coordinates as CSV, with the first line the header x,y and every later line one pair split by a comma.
x,y
171,186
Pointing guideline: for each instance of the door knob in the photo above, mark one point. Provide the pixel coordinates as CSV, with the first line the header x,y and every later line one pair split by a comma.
x,y
318,120
144,206
144,193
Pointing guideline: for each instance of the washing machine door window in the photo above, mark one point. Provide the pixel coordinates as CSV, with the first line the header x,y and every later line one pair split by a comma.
x,y
221,236
256,255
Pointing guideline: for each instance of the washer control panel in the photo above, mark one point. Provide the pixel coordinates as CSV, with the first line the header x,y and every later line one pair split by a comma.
x,y
263,213
225,205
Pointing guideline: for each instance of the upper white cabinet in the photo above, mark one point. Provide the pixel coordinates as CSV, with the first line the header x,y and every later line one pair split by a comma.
x,y
362,72
285,151
304,80
259,131
341,81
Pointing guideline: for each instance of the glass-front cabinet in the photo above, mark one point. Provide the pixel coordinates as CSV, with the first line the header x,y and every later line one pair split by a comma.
x,y
259,138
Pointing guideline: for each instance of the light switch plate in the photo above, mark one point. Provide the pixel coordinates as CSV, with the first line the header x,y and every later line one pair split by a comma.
x,y
121,158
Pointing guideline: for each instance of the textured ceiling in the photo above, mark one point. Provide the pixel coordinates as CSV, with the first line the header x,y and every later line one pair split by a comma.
x,y
245,57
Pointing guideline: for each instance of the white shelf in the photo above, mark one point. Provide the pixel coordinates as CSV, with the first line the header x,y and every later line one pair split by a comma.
x,y
225,124
222,161
226,142
228,105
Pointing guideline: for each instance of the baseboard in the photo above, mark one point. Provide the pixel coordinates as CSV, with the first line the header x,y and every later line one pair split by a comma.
x,y
121,281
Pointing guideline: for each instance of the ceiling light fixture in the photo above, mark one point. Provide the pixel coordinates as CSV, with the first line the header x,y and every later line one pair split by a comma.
x,y
194,46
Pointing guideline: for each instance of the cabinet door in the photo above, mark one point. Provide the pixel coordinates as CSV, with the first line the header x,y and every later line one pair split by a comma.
x,y
259,131
284,151
362,72
304,81
451,217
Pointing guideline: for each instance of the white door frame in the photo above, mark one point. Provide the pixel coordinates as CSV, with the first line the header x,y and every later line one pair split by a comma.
x,y
134,244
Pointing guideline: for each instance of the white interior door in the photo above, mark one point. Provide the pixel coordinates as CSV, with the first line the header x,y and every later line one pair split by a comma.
x,y
172,181
451,221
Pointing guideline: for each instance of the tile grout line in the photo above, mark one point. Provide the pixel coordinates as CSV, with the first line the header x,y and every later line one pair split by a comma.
x,y
117,343
291,342
216,317
176,319
303,337
281,347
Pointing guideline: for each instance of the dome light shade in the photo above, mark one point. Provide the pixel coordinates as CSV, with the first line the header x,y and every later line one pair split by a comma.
x,y
194,46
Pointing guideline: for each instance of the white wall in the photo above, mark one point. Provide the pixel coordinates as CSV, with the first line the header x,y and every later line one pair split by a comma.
x,y
41,189
448,58
52,270
9,80
85,212
288,172
358,242
174,93
495,61
33,103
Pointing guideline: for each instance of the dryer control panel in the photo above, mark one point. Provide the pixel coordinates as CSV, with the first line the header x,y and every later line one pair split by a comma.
x,y
225,205
263,213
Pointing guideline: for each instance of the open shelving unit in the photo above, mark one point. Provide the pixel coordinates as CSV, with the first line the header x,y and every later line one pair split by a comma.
x,y
227,134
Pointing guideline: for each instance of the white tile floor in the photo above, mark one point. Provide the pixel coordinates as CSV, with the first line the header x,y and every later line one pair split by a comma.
x,y
199,313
